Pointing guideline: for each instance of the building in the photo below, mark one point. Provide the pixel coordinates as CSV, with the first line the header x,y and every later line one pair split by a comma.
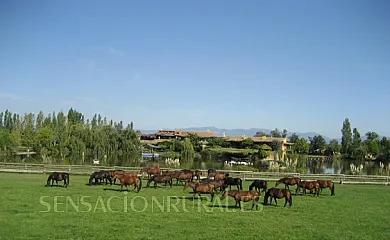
x,y
163,135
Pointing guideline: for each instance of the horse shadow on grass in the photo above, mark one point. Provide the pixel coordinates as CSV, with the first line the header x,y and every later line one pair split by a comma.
x,y
191,198
60,186
119,190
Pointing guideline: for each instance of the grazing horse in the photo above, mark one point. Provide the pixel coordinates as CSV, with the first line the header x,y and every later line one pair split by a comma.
x,y
197,174
204,188
185,175
121,172
160,179
217,184
258,185
189,172
127,180
99,177
275,193
327,184
245,196
58,176
221,176
205,180
173,175
229,181
151,171
288,181
189,184
309,185
211,173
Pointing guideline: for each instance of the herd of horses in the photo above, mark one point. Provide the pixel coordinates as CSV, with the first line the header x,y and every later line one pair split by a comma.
x,y
215,182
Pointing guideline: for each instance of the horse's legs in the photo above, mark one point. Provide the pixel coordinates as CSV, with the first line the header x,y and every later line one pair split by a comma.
x,y
276,202
155,184
285,202
212,196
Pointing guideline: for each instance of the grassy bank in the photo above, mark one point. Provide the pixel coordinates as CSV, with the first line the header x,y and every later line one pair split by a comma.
x,y
28,210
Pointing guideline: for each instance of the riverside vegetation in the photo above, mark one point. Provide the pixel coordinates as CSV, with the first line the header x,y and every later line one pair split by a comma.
x,y
60,138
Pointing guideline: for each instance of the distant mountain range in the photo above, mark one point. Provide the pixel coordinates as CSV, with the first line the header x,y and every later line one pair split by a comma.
x,y
247,132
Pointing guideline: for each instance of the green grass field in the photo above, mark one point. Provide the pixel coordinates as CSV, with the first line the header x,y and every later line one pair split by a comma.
x,y
29,210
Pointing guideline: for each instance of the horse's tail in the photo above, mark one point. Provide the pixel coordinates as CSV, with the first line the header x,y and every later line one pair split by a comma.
x,y
67,179
251,187
290,200
140,184
48,180
267,194
332,190
240,182
90,179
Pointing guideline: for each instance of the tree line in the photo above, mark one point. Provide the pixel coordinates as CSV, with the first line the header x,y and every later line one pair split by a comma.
x,y
352,144
68,138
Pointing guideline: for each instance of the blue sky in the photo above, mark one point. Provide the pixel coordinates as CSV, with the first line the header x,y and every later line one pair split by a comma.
x,y
299,65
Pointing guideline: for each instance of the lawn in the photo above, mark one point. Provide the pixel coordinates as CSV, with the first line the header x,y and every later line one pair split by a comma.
x,y
29,210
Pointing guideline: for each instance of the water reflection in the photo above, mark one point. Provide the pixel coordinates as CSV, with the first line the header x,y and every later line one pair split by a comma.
x,y
335,166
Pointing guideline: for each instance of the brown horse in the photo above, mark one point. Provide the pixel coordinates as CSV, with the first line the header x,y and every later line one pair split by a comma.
x,y
58,176
204,188
160,179
327,184
275,193
197,174
189,184
221,176
288,181
211,173
121,172
185,176
245,196
172,174
151,171
99,177
129,180
309,185
221,184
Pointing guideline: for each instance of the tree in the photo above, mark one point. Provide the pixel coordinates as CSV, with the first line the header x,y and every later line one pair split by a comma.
x,y
262,134
247,143
333,146
284,133
293,138
356,141
346,137
317,143
188,152
301,146
69,139
372,136
276,133
372,147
